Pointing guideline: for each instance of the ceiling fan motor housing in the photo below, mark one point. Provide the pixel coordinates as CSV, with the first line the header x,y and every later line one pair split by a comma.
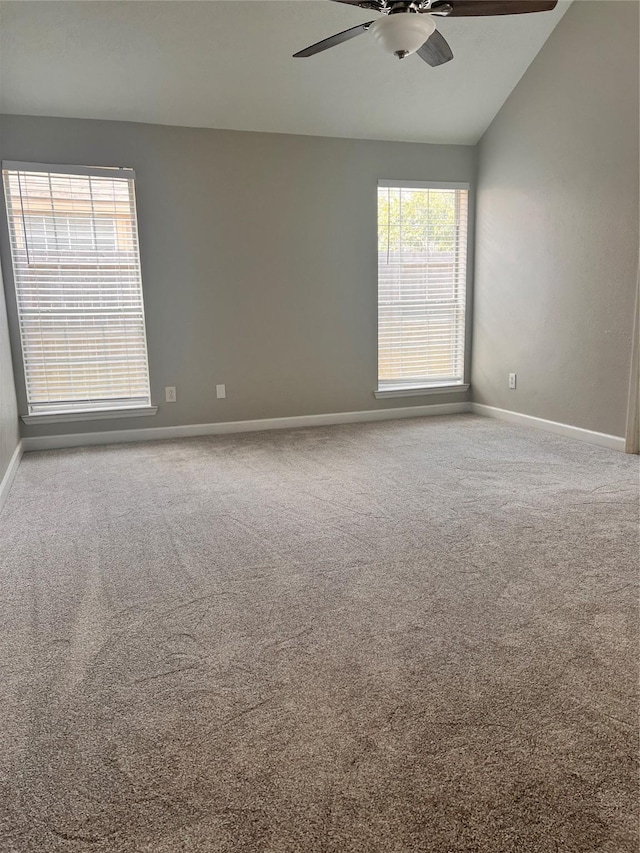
x,y
402,33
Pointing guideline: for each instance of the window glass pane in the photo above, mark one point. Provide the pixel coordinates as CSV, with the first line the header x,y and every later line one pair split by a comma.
x,y
422,243
74,243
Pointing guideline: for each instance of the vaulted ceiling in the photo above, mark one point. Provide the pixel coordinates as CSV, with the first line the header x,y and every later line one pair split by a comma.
x,y
227,64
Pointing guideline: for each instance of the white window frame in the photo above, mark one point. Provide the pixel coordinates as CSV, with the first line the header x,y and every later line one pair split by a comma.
x,y
78,410
384,390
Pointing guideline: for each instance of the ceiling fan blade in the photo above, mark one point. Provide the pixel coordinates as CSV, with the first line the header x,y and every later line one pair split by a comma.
x,y
435,51
332,41
464,8
378,5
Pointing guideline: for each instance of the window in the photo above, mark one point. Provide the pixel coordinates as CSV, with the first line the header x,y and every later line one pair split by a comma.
x,y
76,267
422,270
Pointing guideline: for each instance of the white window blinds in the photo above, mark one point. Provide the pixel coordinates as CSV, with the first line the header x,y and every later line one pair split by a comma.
x,y
74,244
422,263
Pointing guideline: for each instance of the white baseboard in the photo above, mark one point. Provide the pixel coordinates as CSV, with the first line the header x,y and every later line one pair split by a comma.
x,y
54,442
10,473
613,442
86,439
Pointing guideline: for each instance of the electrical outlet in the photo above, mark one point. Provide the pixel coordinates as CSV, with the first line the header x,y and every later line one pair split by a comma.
x,y
513,379
170,394
221,392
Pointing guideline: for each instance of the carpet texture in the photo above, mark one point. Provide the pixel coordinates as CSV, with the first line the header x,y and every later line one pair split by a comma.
x,y
407,636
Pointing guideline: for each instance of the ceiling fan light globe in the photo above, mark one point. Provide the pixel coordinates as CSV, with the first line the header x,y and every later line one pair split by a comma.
x,y
402,34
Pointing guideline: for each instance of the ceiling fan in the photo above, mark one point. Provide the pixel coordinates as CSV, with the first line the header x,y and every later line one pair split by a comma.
x,y
408,26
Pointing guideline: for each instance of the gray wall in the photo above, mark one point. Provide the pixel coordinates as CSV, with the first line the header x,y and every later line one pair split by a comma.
x,y
557,227
258,258
9,433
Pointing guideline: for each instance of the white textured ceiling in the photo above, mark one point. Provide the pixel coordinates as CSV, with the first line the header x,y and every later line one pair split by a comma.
x,y
227,64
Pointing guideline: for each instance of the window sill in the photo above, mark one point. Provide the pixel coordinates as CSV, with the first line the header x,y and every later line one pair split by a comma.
x,y
67,417
457,388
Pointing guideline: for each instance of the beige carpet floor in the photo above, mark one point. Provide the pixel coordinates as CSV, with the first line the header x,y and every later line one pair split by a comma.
x,y
407,636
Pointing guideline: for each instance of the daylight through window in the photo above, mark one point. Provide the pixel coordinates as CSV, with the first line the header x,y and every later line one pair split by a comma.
x,y
76,265
422,263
